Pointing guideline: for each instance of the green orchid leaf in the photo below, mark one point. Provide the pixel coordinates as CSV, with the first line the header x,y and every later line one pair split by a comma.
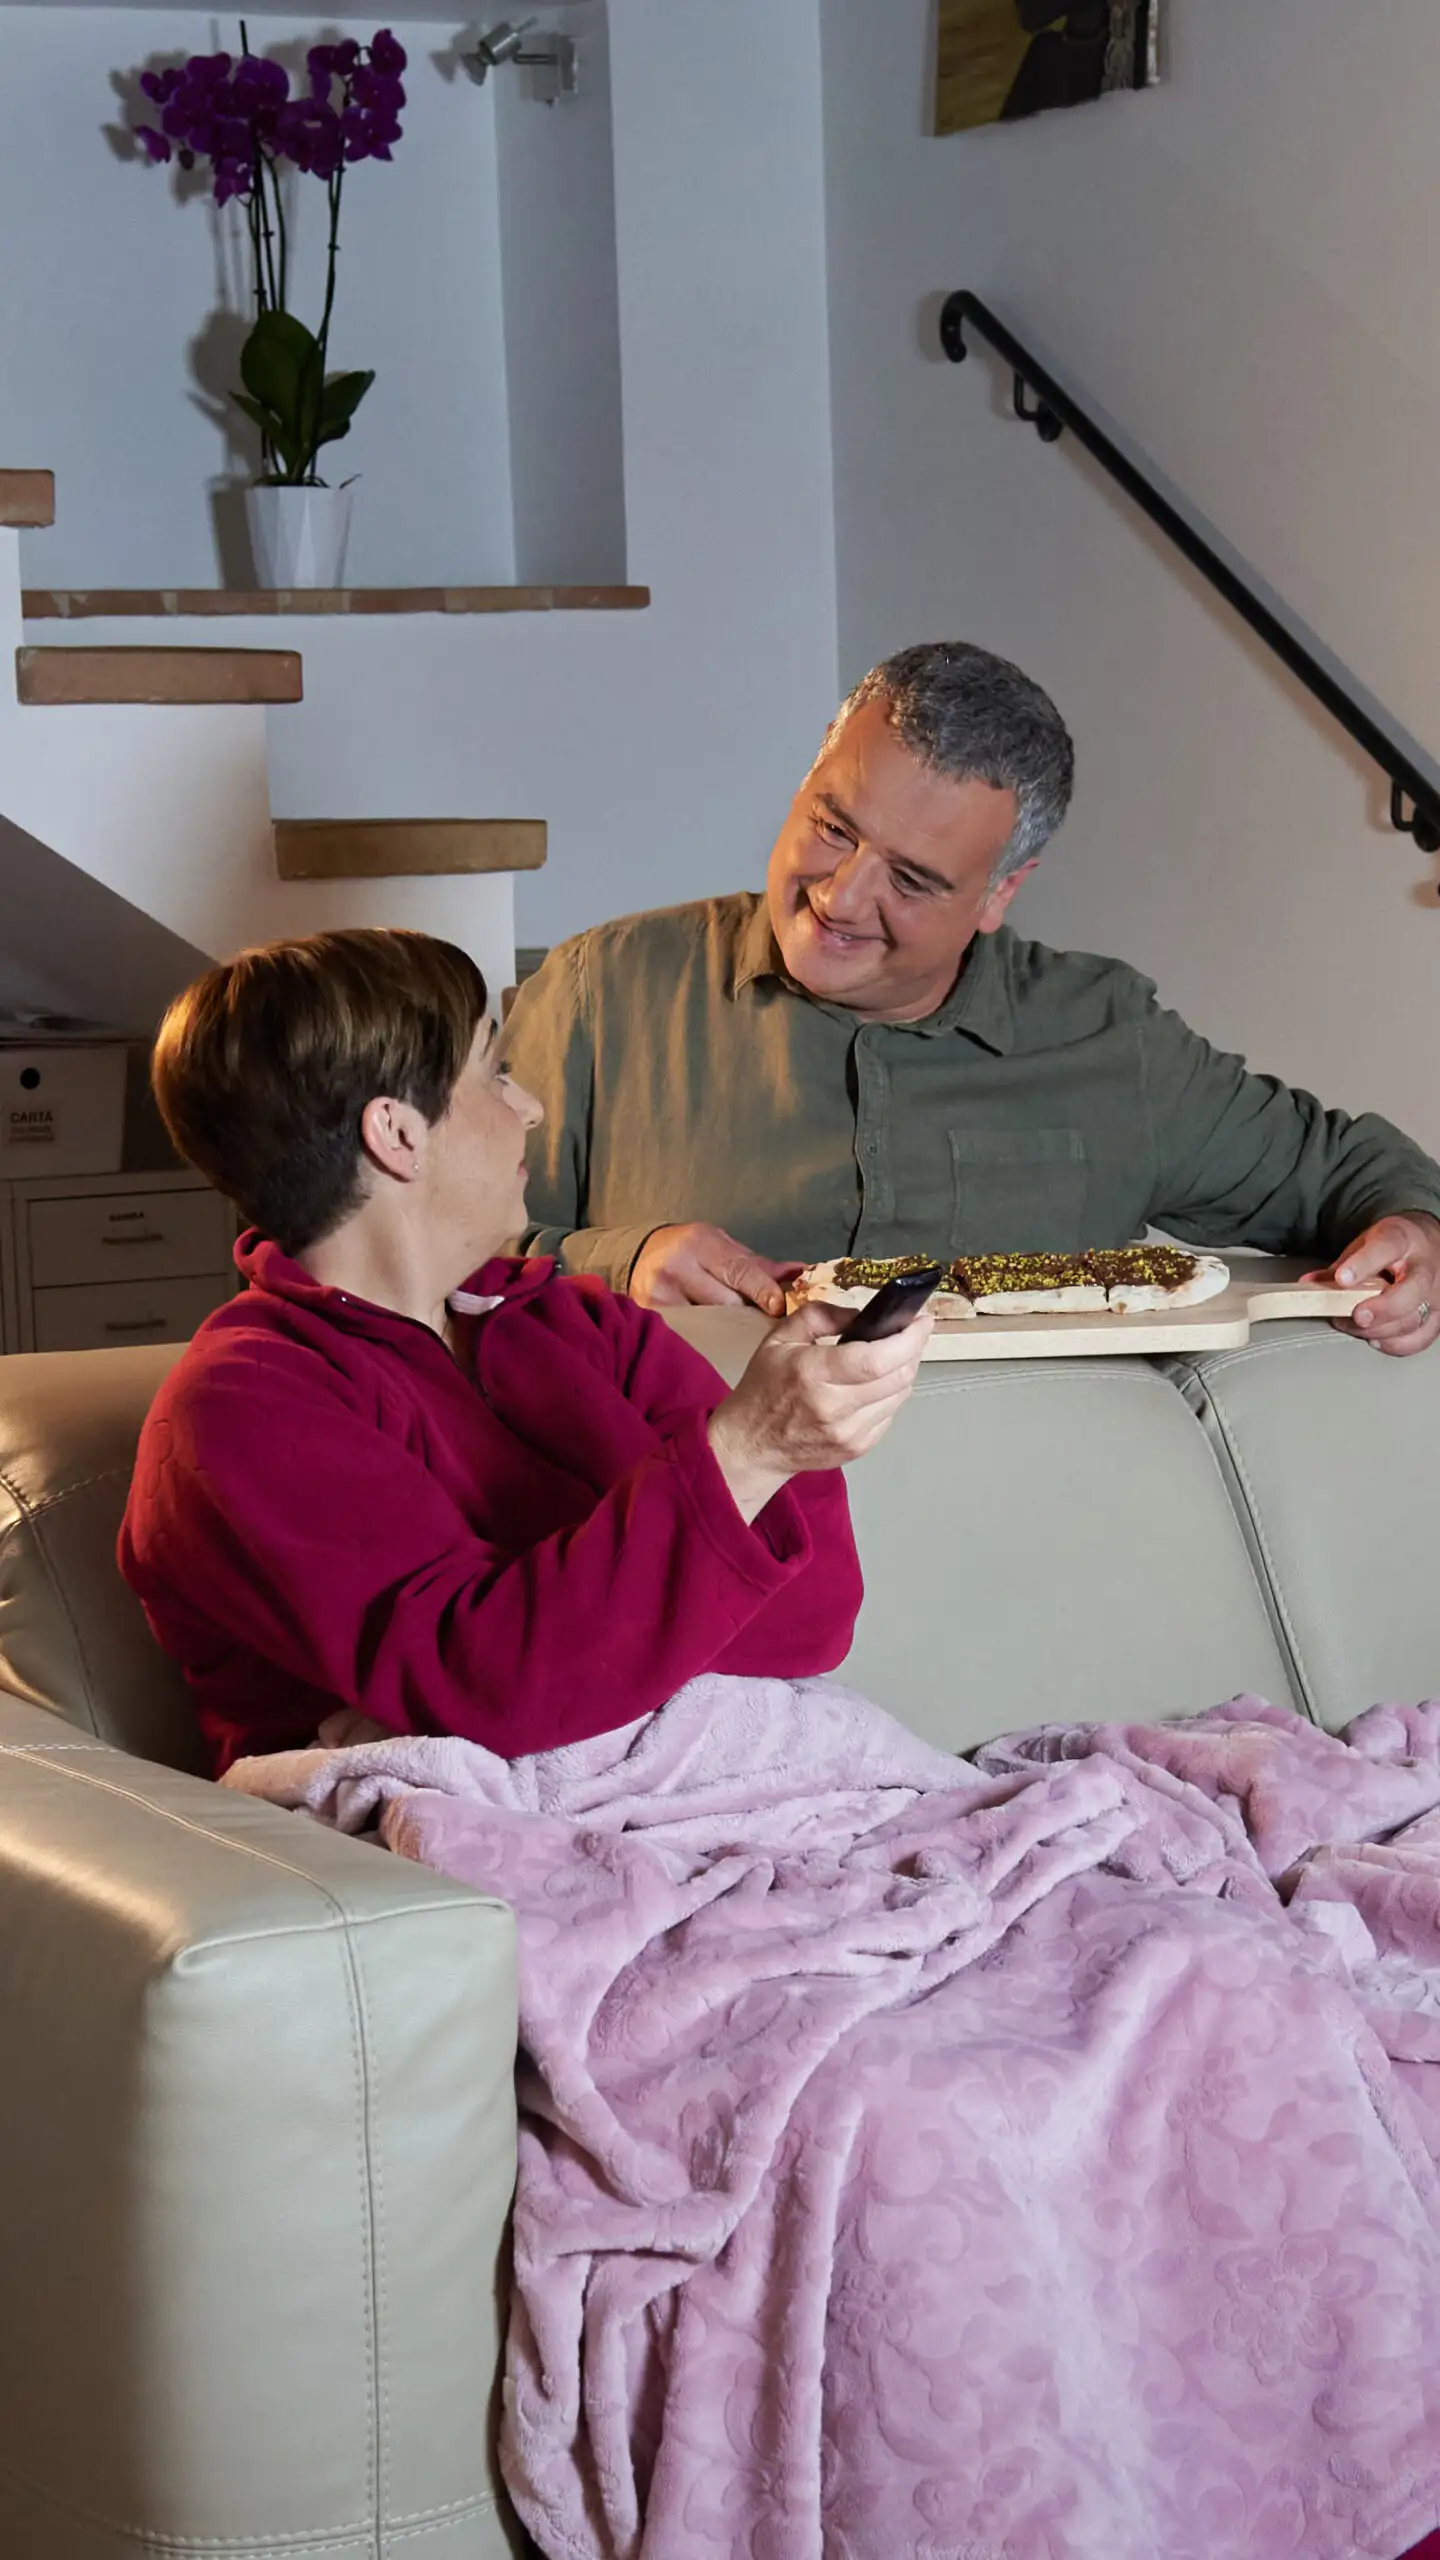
x,y
341,398
273,429
295,408
256,412
277,362
308,436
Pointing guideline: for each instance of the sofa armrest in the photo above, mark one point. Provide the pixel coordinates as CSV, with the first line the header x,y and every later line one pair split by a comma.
x,y
257,2146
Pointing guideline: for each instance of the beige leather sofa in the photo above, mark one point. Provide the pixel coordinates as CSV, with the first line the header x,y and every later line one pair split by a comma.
x,y
256,2125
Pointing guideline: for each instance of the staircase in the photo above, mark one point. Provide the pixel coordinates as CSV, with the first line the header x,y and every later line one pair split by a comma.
x,y
71,675
405,848
27,497
145,770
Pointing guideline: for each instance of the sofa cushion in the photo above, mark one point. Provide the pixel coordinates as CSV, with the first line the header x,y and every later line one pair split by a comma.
x,y
1047,1539
1040,1539
73,1637
256,2156
1330,1452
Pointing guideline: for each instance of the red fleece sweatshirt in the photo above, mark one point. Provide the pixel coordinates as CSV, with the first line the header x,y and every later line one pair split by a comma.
x,y
525,1543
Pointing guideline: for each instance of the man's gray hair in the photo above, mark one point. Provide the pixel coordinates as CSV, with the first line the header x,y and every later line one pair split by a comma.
x,y
975,718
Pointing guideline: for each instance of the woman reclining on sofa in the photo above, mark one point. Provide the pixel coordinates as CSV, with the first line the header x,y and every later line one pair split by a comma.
x,y
452,1493
914,2158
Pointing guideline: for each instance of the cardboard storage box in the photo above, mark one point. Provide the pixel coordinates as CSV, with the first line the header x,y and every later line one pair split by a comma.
x,y
62,1105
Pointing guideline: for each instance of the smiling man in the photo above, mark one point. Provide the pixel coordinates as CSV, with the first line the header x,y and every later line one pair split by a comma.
x,y
868,1060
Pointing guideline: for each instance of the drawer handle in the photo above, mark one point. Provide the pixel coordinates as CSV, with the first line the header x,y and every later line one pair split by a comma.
x,y
148,1235
135,1324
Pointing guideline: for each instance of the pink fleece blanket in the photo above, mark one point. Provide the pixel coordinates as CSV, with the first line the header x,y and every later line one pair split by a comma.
x,y
1026,2160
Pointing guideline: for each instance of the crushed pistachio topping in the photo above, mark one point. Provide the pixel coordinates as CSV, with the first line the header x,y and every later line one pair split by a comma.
x,y
874,1274
1155,1266
992,1275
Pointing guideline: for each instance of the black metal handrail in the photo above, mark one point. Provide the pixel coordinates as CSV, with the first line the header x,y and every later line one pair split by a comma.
x,y
1056,410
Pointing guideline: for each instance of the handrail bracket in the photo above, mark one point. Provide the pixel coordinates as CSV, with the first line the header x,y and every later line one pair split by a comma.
x,y
1047,426
1422,821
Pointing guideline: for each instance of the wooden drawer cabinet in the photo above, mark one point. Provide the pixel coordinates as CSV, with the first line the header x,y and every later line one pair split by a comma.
x,y
124,1311
111,1258
147,1235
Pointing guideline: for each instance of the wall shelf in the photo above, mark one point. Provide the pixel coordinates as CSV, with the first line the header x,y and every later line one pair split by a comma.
x,y
105,604
400,848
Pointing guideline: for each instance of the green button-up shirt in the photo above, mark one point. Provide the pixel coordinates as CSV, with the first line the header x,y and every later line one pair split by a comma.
x,y
1050,1103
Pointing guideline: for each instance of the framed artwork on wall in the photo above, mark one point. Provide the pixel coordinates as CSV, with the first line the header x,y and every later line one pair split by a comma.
x,y
999,60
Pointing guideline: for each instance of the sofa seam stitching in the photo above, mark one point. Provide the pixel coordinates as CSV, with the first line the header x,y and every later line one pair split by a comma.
x,y
360,2060
217,1839
470,1901
31,1509
321,2538
21,1750
376,2305
1258,1348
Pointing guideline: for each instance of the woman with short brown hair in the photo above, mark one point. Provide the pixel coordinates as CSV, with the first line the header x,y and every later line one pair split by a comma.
x,y
405,1475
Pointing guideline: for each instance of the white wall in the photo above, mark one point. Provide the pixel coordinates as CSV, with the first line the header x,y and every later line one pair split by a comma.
x,y
562,319
662,746
1243,268
113,366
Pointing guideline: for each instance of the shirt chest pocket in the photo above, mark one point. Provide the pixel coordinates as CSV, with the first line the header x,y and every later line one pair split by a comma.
x,y
1017,1190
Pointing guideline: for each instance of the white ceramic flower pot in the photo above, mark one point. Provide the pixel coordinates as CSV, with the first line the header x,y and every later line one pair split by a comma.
x,y
298,535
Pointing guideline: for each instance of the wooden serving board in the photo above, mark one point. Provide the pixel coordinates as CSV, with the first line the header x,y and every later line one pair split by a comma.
x,y
1222,1323
1260,1291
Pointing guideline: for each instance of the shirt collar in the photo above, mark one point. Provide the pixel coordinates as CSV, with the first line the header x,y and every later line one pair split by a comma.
x,y
980,1003
757,953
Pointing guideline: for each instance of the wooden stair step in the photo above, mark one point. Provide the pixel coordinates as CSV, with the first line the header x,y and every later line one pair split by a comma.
x,y
390,848
69,675
27,497
77,604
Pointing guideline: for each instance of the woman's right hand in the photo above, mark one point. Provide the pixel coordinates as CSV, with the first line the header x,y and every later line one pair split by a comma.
x,y
807,1401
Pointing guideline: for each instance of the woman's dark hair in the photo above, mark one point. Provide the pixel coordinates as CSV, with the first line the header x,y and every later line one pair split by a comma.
x,y
263,1067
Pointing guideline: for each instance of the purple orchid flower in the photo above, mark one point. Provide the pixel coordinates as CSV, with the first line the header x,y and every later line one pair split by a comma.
x,y
238,114
386,55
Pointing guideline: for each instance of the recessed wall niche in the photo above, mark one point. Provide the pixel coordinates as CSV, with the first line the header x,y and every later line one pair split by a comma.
x,y
119,346
556,181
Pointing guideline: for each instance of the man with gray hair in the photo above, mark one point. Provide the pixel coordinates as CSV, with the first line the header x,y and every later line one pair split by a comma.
x,y
867,1060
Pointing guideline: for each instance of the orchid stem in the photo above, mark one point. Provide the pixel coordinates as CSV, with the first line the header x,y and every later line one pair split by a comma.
x,y
322,342
282,304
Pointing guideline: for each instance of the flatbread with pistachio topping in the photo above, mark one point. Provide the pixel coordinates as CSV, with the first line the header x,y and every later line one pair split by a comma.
x,y
852,1283
1132,1279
